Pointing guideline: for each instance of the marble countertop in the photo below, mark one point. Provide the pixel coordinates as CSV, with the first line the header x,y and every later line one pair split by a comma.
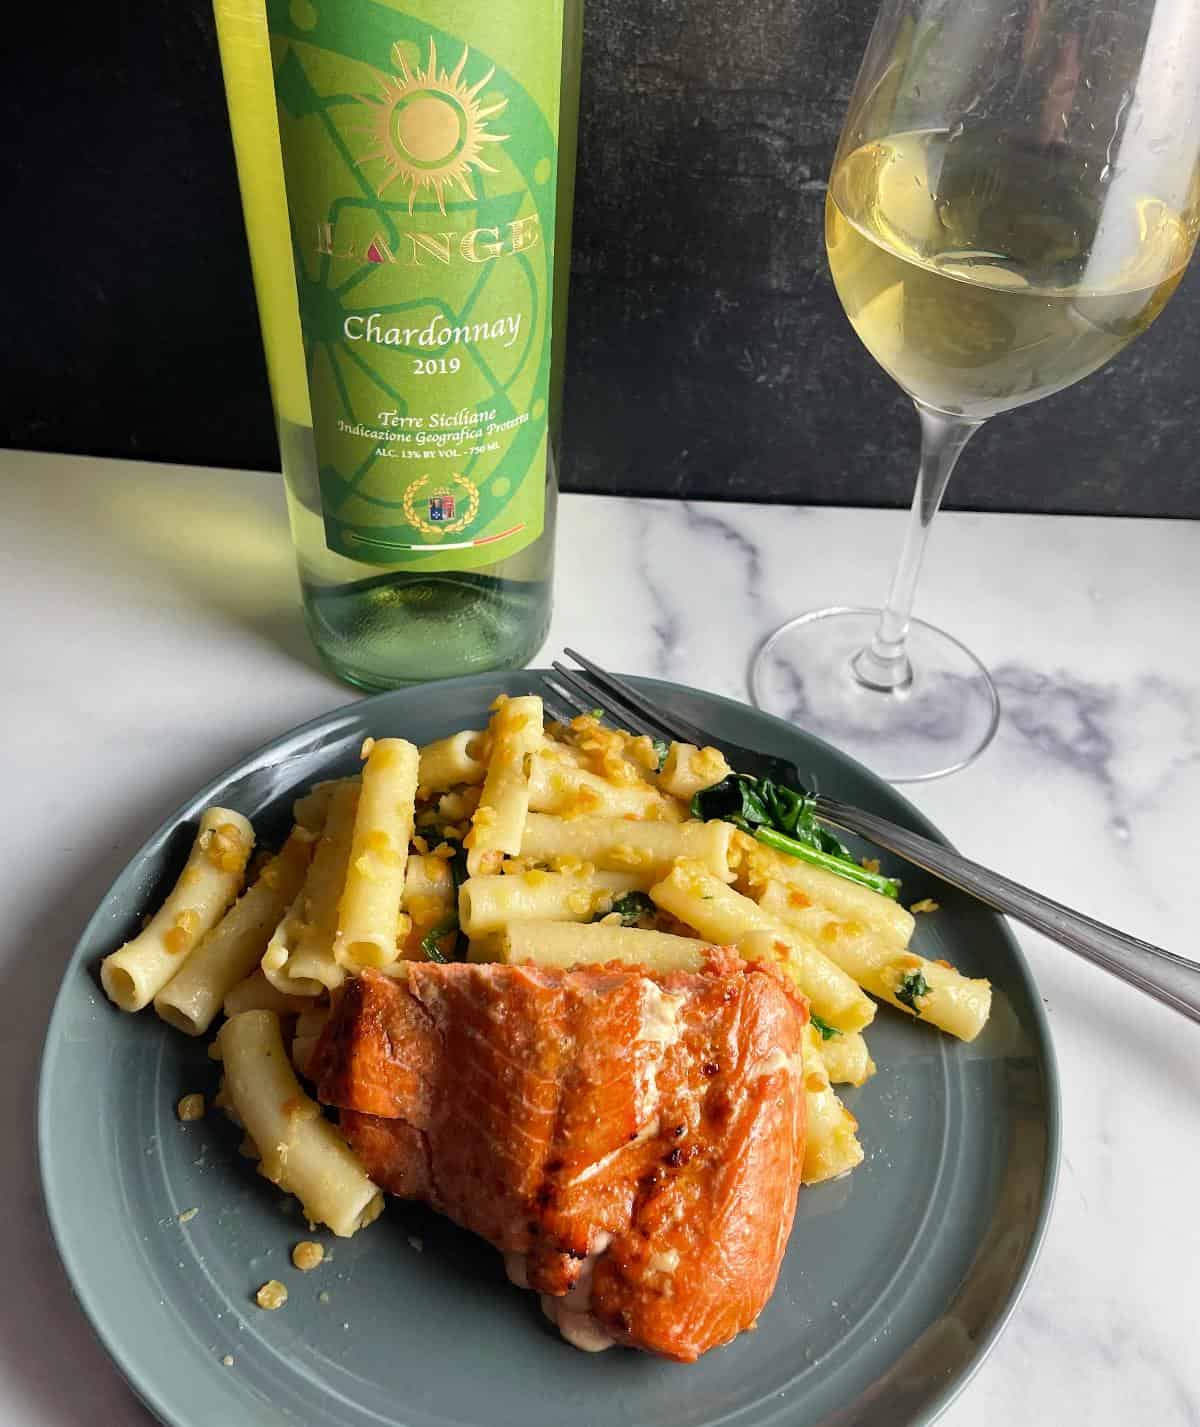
x,y
151,635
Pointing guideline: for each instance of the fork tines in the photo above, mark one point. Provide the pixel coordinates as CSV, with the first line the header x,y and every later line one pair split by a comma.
x,y
592,686
587,698
560,703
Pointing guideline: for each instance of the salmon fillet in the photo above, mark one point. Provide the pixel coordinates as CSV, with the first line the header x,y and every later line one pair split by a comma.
x,y
631,1144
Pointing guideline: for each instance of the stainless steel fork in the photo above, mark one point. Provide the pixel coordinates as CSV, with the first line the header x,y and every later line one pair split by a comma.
x,y
1171,979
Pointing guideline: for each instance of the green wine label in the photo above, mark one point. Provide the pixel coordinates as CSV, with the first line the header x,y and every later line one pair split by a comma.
x,y
421,165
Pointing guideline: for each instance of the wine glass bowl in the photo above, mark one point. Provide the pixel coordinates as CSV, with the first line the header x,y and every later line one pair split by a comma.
x,y
969,281
1014,198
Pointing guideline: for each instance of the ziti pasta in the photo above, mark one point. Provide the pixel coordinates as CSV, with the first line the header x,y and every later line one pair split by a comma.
x,y
524,843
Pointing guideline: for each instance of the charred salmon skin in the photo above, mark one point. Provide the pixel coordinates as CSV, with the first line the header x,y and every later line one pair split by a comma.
x,y
632,1144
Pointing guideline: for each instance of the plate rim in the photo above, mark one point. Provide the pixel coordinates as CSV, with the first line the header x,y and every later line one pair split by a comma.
x,y
88,1297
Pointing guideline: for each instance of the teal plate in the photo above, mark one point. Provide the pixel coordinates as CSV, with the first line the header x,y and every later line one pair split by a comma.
x,y
897,1278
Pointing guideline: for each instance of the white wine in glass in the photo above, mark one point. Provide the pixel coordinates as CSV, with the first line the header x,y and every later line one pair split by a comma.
x,y
1014,199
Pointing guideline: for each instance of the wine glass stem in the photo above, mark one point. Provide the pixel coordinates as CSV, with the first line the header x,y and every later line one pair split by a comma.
x,y
884,663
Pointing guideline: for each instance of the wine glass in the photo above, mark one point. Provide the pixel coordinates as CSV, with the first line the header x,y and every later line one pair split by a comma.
x,y
1014,199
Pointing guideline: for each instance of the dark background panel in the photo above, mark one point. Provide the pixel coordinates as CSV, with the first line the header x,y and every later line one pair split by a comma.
x,y
708,353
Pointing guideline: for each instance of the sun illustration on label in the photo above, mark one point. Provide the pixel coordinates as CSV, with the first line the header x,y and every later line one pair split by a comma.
x,y
429,127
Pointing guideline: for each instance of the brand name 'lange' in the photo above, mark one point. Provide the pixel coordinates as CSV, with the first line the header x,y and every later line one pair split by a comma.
x,y
415,250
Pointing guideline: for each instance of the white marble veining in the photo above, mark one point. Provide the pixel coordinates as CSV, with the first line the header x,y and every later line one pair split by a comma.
x,y
150,635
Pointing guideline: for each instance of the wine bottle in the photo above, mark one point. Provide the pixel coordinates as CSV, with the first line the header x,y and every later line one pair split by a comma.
x,y
407,172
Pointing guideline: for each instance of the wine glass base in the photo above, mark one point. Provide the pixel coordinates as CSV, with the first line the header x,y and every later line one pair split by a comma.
x,y
937,723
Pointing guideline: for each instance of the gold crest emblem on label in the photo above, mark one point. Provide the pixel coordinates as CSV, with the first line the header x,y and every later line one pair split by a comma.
x,y
442,508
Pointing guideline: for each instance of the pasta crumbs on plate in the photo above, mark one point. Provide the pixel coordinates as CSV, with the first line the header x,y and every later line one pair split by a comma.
x,y
307,1255
271,1295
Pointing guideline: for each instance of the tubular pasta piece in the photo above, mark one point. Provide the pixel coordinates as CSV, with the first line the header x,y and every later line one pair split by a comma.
x,y
430,901
299,959
846,1058
450,762
619,758
831,1146
488,904
688,770
192,999
256,993
724,917
567,791
299,1149
954,1003
212,877
645,849
368,925
836,896
498,821
311,810
562,945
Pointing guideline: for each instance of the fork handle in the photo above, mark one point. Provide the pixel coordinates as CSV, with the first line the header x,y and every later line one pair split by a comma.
x,y
1171,979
